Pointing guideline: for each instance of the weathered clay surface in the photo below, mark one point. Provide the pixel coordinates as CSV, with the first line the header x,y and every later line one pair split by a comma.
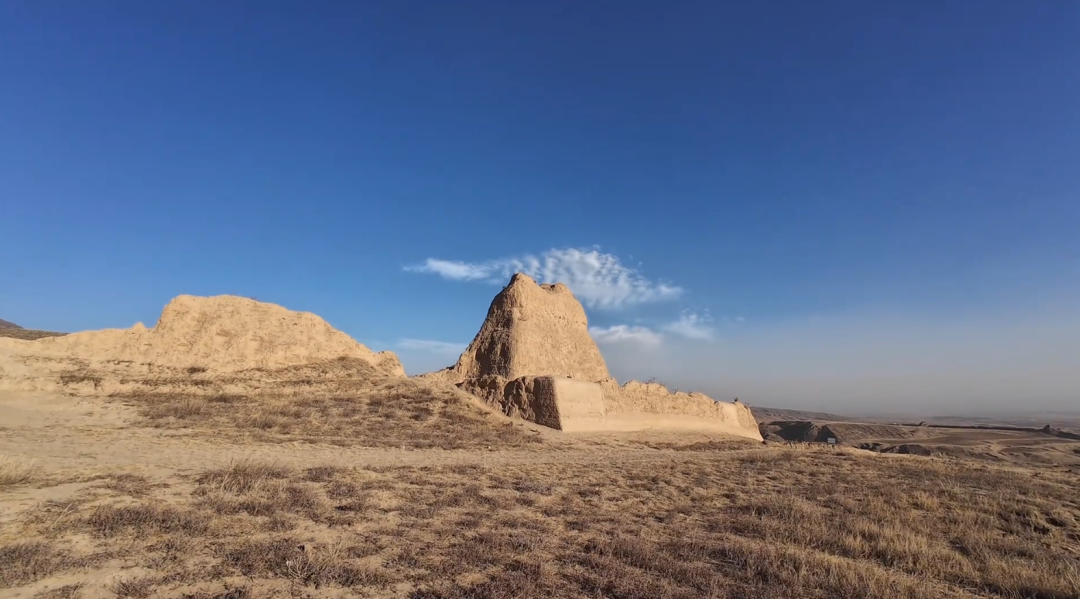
x,y
561,403
531,329
218,334
534,358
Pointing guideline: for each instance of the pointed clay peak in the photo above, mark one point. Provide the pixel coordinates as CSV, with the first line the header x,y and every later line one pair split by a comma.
x,y
521,278
533,330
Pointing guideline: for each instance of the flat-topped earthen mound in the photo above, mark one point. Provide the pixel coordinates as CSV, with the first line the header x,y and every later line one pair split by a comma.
x,y
222,334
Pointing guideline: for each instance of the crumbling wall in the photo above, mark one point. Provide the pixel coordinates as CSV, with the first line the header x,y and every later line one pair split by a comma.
x,y
217,334
560,403
643,406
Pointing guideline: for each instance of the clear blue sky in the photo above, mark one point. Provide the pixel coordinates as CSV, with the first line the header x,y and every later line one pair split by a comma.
x,y
769,163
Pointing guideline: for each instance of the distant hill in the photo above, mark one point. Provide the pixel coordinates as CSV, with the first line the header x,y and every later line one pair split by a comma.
x,y
763,414
18,332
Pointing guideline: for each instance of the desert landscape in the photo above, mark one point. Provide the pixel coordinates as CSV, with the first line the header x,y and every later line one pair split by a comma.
x,y
237,449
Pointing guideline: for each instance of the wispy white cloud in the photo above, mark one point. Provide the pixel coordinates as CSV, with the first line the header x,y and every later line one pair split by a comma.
x,y
692,325
626,334
454,271
599,280
434,347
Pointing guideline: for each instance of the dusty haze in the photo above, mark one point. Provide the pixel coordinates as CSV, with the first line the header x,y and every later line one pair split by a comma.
x,y
870,363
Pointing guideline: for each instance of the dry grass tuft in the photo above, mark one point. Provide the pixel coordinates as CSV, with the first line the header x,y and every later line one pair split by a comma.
x,y
227,593
16,470
69,591
317,566
134,485
143,520
78,377
26,561
134,588
242,476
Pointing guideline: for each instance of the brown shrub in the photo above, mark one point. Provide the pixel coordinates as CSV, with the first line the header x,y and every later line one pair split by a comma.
x,y
27,561
145,520
68,591
134,588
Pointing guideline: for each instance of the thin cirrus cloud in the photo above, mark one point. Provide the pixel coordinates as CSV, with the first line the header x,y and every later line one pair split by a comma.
x,y
621,333
433,347
599,280
690,325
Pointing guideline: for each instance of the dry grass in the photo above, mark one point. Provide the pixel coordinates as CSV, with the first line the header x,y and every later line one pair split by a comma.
x,y
134,485
767,522
134,588
27,561
68,591
16,470
78,377
383,412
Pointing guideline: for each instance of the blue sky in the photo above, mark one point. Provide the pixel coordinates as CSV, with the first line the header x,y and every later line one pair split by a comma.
x,y
811,204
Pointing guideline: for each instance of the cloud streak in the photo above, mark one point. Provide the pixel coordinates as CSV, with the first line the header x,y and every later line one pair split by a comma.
x,y
443,348
692,326
598,279
625,334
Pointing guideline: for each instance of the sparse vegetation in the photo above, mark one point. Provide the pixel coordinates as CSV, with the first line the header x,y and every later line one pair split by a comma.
x,y
713,522
78,377
27,561
134,485
68,591
16,470
388,413
134,588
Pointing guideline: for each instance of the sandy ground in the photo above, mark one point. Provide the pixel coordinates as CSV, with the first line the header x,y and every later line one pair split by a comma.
x,y
80,438
626,482
66,435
